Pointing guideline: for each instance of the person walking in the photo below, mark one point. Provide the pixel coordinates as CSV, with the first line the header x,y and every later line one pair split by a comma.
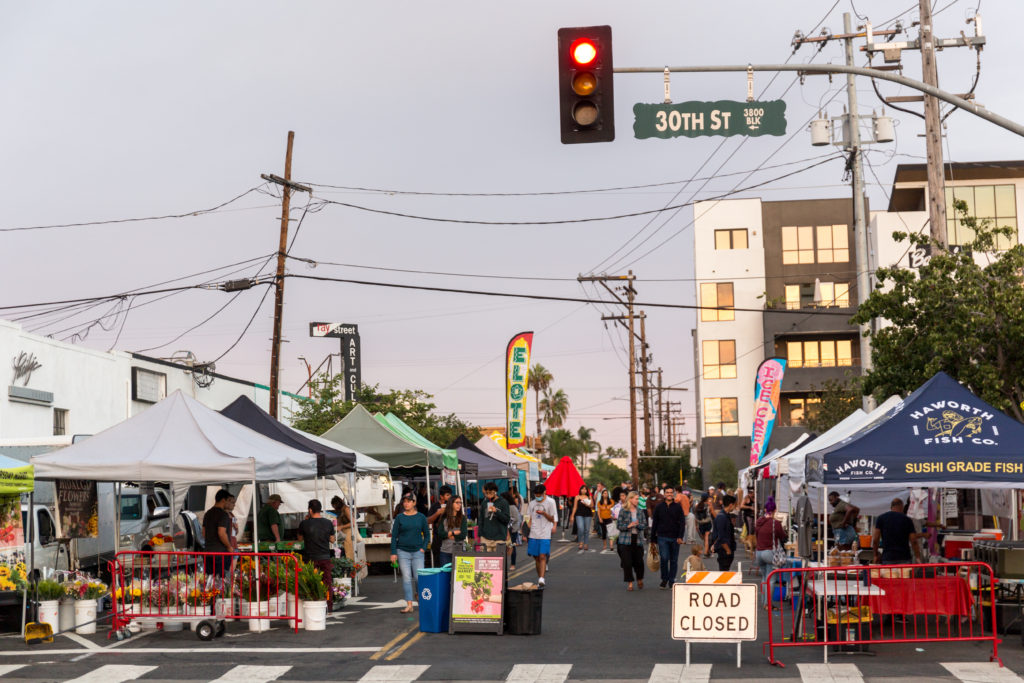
x,y
632,524
725,537
767,532
453,528
667,531
604,519
217,535
317,534
747,515
702,515
434,516
897,535
515,522
410,540
583,513
543,516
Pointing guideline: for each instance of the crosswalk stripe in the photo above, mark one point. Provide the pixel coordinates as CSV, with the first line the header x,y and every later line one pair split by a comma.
x,y
396,673
680,673
539,673
830,673
113,673
981,672
254,674
8,668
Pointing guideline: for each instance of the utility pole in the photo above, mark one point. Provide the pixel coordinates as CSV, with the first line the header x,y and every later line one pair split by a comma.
x,y
628,303
275,348
645,386
860,232
661,415
932,129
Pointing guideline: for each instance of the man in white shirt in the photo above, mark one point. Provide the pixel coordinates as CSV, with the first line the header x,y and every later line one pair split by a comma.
x,y
543,517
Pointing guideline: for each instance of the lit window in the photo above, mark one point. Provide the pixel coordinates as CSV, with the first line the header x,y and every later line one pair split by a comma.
x,y
800,409
733,238
835,294
714,297
797,245
820,353
996,204
795,354
720,359
833,244
721,417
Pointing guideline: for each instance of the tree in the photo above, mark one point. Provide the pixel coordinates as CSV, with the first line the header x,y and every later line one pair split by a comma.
x,y
555,406
724,470
837,400
604,471
586,444
667,467
952,314
412,406
540,380
561,443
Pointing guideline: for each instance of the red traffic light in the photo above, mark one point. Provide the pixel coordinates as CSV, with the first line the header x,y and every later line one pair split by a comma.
x,y
583,51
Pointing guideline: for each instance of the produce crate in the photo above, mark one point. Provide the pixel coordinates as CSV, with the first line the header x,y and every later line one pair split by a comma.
x,y
849,615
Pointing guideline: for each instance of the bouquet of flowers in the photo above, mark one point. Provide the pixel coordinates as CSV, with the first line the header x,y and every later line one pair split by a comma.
x,y
311,583
85,589
132,593
199,598
12,577
339,591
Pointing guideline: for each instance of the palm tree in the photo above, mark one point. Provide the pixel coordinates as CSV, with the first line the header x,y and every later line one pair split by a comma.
x,y
555,406
560,442
540,380
587,444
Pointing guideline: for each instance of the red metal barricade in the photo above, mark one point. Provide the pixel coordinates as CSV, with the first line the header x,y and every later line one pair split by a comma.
x,y
165,587
852,608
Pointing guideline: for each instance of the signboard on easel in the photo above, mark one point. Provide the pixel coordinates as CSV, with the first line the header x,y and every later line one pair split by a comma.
x,y
478,598
714,607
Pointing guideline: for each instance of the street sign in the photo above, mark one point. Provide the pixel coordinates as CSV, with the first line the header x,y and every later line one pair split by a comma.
x,y
714,612
350,356
695,119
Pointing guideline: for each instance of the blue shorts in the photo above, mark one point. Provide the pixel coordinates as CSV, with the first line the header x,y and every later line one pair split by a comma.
x,y
536,547
845,535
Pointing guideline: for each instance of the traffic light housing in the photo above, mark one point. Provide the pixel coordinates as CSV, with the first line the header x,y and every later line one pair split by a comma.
x,y
585,93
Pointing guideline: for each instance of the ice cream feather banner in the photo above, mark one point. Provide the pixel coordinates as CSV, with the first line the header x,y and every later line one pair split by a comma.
x,y
517,377
767,388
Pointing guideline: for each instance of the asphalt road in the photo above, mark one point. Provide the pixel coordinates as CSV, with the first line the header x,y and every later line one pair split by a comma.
x,y
593,629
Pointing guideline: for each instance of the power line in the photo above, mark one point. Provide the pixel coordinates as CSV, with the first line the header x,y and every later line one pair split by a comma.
x,y
188,214
568,221
247,325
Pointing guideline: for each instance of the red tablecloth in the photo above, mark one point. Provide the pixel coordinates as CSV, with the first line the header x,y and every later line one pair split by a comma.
x,y
948,595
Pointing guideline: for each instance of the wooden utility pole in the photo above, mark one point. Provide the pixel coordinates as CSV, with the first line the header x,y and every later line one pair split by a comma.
x,y
661,415
628,303
275,348
932,129
646,387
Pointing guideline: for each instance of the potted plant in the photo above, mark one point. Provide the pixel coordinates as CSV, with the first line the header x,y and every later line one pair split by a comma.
x,y
49,593
313,593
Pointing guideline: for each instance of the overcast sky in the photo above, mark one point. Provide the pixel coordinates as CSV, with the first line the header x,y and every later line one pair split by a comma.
x,y
124,109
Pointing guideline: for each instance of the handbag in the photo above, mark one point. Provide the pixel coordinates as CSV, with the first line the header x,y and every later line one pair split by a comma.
x,y
778,555
653,561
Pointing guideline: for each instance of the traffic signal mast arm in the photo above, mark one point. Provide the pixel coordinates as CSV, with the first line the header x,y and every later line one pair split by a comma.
x,y
956,101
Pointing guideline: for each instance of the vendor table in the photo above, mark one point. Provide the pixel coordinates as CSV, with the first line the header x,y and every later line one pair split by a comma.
x,y
378,549
944,595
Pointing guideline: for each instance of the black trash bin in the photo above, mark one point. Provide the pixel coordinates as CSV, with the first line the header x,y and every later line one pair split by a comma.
x,y
523,612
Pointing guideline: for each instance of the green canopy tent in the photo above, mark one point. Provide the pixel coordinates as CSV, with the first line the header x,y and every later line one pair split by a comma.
x,y
361,432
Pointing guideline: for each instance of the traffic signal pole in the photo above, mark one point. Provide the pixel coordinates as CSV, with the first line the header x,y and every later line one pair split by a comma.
x,y
935,92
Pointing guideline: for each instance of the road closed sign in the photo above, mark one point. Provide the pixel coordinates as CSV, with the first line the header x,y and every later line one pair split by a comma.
x,y
714,612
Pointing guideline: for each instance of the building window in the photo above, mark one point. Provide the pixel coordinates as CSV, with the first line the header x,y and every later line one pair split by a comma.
x,y
733,238
796,410
720,359
60,422
713,297
820,353
799,244
721,417
994,203
831,294
833,244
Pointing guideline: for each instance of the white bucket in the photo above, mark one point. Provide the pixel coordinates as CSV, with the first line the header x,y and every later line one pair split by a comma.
x,y
85,610
256,609
315,617
67,614
277,605
225,608
49,613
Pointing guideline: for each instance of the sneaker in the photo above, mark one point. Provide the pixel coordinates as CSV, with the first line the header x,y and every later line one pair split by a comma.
x,y
540,582
580,551
663,585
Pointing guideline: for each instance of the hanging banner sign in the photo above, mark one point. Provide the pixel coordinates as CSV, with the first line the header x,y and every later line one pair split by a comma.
x,y
767,389
77,505
351,362
517,377
15,480
695,119
478,584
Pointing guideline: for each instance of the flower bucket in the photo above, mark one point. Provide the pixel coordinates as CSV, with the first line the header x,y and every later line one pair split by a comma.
x,y
85,611
277,606
315,615
225,608
67,615
254,609
49,613
286,605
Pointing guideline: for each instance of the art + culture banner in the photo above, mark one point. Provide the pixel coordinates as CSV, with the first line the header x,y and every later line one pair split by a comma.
x,y
767,388
517,377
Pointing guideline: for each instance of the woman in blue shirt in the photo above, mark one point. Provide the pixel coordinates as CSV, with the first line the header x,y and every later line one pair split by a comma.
x,y
410,538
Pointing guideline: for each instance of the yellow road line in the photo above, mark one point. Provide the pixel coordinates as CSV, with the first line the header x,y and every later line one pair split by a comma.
x,y
521,572
391,643
405,646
